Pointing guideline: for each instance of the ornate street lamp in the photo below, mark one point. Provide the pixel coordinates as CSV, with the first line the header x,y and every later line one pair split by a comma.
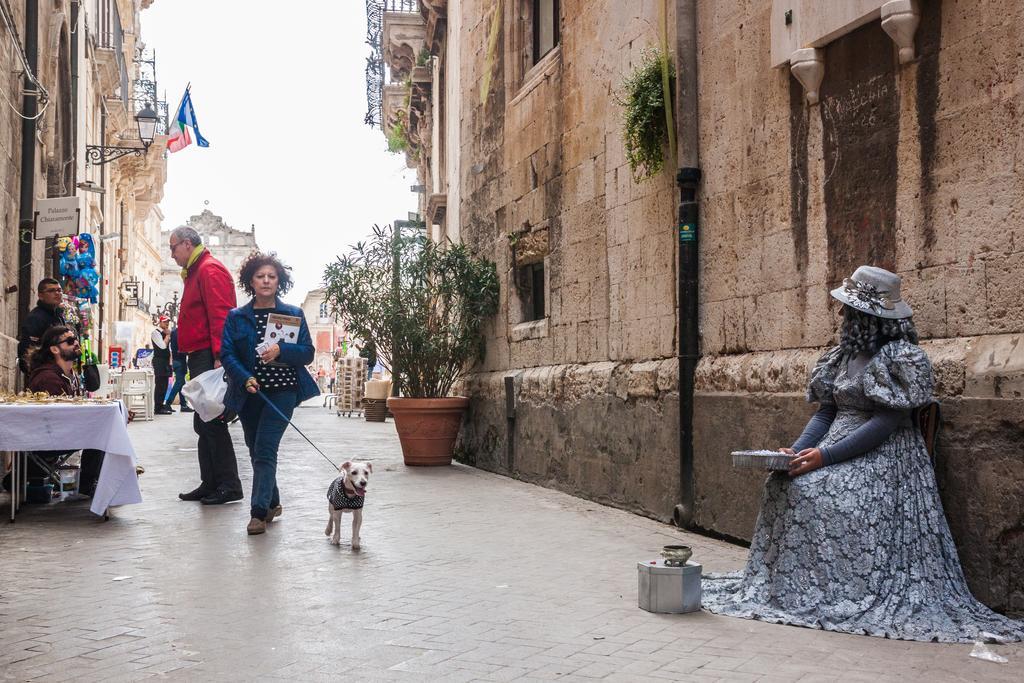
x,y
147,121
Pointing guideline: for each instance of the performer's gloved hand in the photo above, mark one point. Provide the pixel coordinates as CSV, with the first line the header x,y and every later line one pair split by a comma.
x,y
807,460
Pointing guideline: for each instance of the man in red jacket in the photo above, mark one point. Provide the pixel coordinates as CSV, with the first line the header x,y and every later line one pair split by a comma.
x,y
208,296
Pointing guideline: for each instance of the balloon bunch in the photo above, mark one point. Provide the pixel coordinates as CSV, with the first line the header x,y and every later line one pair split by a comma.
x,y
78,266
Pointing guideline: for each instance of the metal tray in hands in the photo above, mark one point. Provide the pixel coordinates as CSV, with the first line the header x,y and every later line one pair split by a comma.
x,y
761,460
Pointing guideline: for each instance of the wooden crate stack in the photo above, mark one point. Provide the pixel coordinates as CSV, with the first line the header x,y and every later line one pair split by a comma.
x,y
349,375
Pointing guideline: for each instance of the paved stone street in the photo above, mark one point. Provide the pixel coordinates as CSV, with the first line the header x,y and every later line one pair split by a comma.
x,y
463,576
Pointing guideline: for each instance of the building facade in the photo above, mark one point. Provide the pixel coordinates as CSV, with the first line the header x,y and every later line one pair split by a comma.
x,y
868,147
228,245
87,75
327,332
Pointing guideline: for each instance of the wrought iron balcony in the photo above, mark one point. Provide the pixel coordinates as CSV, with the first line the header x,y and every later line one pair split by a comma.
x,y
375,21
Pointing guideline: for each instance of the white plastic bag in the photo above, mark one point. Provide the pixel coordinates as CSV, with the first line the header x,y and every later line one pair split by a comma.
x,y
205,393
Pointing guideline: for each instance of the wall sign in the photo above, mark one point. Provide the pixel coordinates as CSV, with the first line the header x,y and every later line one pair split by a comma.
x,y
56,217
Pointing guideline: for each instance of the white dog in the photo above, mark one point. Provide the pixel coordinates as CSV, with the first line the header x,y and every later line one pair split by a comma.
x,y
346,494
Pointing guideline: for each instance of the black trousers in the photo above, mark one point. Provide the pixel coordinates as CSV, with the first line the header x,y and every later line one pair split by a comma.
x,y
218,468
160,383
89,475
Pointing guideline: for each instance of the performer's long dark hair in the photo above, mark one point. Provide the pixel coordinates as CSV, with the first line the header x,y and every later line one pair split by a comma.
x,y
863,332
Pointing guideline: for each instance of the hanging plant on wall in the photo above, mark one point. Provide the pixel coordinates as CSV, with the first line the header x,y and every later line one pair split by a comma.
x,y
644,126
398,136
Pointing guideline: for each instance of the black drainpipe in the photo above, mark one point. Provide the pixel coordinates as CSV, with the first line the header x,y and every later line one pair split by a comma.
x,y
26,216
689,345
688,179
75,10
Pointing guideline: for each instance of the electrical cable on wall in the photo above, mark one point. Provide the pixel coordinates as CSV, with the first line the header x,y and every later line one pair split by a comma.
x,y
5,13
46,103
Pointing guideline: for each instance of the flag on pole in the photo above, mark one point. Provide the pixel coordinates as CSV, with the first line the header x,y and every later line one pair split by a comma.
x,y
186,118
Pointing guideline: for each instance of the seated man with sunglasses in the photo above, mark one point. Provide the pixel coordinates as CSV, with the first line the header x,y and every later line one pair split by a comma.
x,y
52,369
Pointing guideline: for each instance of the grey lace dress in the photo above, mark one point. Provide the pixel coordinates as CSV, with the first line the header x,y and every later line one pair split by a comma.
x,y
861,546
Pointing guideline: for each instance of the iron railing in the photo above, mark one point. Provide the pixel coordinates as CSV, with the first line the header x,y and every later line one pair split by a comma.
x,y
411,6
374,63
145,87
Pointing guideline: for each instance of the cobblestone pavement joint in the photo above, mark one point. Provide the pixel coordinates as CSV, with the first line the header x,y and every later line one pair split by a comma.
x,y
463,576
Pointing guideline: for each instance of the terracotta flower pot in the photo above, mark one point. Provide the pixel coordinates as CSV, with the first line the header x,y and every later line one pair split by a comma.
x,y
428,427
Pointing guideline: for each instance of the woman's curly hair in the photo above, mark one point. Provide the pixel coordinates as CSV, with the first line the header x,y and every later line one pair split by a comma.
x,y
865,333
257,260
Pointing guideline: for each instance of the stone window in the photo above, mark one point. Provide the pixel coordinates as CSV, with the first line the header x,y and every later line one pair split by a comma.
x,y
545,27
534,34
531,291
324,313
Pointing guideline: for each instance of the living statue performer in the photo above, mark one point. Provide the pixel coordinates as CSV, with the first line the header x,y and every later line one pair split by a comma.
x,y
853,538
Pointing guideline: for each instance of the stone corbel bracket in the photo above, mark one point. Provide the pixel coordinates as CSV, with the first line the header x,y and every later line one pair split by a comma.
x,y
900,19
808,66
403,40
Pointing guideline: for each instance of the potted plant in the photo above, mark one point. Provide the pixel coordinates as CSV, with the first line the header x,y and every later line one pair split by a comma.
x,y
646,121
423,305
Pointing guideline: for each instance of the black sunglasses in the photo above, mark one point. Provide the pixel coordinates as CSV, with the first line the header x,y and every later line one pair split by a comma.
x,y
69,340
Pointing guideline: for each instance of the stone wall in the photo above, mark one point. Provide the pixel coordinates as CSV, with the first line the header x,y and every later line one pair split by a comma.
x,y
52,22
10,179
542,166
606,431
914,167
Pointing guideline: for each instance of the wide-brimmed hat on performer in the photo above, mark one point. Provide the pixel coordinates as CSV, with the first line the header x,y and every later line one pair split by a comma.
x,y
875,291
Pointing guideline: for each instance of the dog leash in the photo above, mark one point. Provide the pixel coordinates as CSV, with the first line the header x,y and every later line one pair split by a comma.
x,y
283,417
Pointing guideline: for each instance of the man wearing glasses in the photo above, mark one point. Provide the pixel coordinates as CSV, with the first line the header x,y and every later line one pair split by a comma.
x,y
45,315
53,371
208,295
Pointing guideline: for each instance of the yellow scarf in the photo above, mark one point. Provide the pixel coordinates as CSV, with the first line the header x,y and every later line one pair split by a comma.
x,y
192,259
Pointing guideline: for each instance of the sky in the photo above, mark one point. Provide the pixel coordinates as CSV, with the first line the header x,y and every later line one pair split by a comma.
x,y
279,91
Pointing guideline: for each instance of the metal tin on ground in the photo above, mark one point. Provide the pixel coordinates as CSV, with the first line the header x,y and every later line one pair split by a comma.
x,y
668,590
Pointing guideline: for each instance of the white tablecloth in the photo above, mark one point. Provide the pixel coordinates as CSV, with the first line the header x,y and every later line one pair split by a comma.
x,y
69,426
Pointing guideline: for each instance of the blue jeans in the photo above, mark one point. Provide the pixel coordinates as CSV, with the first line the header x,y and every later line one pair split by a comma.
x,y
263,429
179,382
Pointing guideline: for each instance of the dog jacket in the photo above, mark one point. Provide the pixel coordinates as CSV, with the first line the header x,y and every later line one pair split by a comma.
x,y
340,500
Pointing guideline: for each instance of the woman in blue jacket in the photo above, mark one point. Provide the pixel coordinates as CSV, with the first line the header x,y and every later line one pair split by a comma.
x,y
277,375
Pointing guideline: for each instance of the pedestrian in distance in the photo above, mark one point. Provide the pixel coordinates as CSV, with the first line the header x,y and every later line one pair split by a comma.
x,y
369,352
180,369
208,296
266,380
161,338
46,314
854,538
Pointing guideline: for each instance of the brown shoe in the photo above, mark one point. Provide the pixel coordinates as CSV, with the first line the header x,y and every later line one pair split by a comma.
x,y
272,513
256,526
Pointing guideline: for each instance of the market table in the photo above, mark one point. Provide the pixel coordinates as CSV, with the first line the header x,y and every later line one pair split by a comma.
x,y
70,427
